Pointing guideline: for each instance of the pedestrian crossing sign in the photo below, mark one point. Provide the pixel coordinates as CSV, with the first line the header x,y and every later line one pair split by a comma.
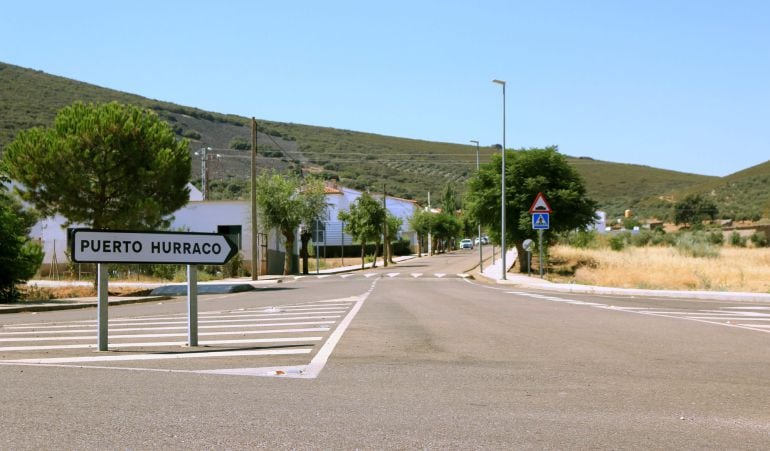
x,y
541,221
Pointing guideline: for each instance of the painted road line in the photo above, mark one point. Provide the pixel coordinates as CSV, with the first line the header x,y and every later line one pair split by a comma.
x,y
172,323
393,274
161,343
140,329
416,274
194,355
113,336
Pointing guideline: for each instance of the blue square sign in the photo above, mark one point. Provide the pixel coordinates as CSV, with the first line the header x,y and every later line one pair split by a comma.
x,y
541,221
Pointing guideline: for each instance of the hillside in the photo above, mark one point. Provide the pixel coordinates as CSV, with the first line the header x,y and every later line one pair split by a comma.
x,y
410,168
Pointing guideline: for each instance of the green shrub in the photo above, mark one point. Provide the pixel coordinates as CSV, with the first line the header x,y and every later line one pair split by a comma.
x,y
618,242
696,245
759,239
583,239
716,237
642,238
737,240
240,143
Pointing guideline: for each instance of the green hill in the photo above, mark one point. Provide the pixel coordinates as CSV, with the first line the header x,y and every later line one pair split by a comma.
x,y
410,168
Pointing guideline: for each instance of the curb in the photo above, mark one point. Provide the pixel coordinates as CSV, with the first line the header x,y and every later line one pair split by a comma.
x,y
79,305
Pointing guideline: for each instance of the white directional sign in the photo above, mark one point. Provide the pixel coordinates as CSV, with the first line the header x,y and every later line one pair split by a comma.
x,y
541,221
187,248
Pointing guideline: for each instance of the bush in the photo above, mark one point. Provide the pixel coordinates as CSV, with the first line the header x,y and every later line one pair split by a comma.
x,y
759,239
696,245
716,237
618,241
240,143
737,240
582,239
20,258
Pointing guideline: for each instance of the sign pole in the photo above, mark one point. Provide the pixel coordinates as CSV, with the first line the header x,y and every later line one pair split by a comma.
x,y
192,305
540,246
102,305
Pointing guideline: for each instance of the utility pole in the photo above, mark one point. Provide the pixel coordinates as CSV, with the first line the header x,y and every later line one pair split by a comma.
x,y
430,238
385,250
254,229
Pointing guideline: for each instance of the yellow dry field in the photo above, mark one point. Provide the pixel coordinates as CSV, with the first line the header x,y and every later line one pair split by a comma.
x,y
736,269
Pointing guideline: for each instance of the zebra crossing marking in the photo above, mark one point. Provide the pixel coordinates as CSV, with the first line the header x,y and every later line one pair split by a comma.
x,y
745,318
299,329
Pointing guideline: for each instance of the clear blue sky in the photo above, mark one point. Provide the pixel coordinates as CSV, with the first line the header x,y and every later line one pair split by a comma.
x,y
674,84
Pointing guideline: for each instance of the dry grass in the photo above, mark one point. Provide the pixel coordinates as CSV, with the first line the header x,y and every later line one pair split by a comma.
x,y
736,269
34,293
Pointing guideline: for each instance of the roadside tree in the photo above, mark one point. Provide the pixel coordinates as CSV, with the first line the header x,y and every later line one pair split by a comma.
x,y
421,222
363,221
285,202
527,173
694,209
20,257
107,166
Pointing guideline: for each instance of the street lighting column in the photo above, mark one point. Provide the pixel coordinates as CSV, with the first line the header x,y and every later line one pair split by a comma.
x,y
502,189
481,259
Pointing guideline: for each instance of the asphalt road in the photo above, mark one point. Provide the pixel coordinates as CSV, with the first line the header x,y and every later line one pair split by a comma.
x,y
410,356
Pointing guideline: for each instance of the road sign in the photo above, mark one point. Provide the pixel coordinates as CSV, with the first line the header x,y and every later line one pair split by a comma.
x,y
541,221
185,248
540,205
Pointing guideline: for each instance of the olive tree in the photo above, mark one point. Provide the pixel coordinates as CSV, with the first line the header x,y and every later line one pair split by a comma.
x,y
285,202
363,221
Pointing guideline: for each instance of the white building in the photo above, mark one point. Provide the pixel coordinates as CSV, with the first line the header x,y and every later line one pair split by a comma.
x,y
234,218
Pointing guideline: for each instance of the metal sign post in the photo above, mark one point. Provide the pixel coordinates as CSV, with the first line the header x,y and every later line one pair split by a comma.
x,y
192,305
102,303
190,248
541,220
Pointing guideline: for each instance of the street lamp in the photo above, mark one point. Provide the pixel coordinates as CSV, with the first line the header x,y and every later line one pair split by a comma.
x,y
481,260
502,190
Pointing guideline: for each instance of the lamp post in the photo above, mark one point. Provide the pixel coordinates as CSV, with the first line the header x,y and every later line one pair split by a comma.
x,y
481,259
502,190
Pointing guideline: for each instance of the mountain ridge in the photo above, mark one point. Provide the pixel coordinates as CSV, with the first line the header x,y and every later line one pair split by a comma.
x,y
409,168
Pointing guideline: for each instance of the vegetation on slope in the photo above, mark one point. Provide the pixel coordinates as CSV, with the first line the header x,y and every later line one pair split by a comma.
x,y
408,168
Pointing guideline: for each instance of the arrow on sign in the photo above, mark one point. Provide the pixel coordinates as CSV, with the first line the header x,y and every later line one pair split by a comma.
x,y
184,248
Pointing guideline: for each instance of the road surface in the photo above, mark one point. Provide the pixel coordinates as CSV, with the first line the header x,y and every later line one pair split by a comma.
x,y
409,356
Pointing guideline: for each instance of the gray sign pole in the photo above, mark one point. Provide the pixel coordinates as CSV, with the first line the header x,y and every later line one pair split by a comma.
x,y
103,303
192,305
540,245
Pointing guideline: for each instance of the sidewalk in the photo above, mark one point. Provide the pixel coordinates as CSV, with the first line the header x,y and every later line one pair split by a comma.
x,y
494,272
86,302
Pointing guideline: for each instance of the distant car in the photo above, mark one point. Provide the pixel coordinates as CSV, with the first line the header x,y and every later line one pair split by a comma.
x,y
484,240
466,244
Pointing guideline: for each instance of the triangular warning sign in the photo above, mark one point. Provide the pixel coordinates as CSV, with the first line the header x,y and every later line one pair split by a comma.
x,y
540,205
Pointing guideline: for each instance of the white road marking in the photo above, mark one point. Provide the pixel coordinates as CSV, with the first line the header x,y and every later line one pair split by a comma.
x,y
160,343
416,274
170,323
730,319
439,275
345,276
139,329
112,336
194,355
370,274
393,274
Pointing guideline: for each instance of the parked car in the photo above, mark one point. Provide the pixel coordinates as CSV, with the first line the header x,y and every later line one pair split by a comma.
x,y
484,240
466,244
